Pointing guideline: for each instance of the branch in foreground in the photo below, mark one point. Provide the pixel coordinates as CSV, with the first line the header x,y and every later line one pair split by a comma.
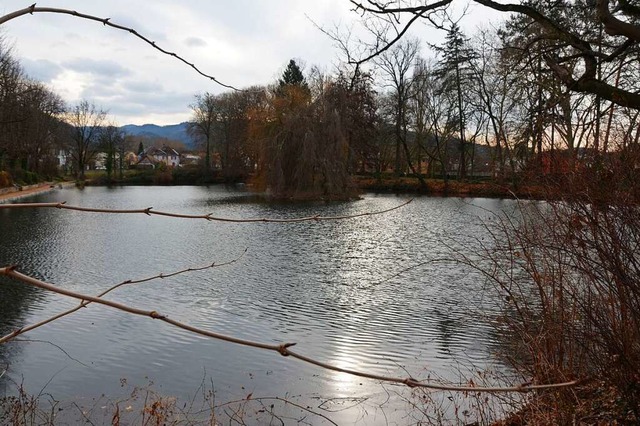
x,y
418,12
106,21
149,211
82,304
282,349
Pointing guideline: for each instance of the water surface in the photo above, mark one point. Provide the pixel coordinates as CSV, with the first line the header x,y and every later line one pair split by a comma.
x,y
374,293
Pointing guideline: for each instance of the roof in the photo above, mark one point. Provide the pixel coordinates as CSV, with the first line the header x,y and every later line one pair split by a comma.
x,y
165,151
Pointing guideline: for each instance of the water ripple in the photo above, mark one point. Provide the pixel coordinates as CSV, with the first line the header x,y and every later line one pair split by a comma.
x,y
364,293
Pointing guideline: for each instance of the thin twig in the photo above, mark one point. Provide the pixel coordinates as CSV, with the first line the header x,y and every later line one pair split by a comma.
x,y
85,418
161,275
282,349
107,22
418,12
276,398
149,211
54,345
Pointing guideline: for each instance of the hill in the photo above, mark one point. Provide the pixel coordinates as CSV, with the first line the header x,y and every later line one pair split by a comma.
x,y
173,131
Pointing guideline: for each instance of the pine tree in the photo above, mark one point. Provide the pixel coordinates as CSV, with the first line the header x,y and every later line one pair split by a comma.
x,y
453,68
292,76
140,148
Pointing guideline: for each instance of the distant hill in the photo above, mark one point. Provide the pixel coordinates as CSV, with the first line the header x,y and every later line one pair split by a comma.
x,y
173,131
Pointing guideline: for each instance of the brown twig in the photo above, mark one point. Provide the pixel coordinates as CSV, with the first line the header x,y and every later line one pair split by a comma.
x,y
282,349
149,211
418,12
55,346
82,304
107,22
276,398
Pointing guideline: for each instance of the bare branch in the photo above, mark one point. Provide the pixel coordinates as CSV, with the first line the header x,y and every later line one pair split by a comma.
x,y
83,304
282,349
149,211
613,25
107,22
418,12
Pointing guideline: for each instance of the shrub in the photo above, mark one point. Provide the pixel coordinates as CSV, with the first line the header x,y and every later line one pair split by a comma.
x,y
569,272
5,179
163,177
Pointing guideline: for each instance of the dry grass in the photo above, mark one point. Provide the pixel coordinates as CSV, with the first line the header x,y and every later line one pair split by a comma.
x,y
145,406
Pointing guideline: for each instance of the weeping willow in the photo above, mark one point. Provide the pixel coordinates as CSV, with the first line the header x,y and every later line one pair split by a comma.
x,y
307,155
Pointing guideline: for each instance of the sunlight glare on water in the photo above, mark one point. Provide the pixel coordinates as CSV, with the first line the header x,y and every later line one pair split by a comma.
x,y
373,293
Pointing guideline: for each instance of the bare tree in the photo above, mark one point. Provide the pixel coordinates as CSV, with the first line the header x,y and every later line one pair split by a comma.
x,y
434,118
86,121
29,120
202,123
397,64
499,94
111,140
568,40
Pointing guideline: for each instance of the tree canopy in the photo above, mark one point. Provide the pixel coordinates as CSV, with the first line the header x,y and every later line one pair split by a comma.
x,y
565,39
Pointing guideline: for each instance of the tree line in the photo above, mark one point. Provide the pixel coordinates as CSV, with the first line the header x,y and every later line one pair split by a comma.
x,y
39,133
490,105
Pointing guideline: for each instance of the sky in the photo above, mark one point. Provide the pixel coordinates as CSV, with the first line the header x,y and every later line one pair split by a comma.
x,y
240,42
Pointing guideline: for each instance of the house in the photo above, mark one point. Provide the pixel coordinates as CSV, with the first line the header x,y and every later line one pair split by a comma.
x,y
62,157
99,161
146,162
166,155
190,160
153,157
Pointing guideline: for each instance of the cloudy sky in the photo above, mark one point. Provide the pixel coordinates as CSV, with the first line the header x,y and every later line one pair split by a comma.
x,y
240,42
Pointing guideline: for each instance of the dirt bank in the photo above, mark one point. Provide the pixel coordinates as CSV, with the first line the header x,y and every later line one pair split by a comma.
x,y
15,193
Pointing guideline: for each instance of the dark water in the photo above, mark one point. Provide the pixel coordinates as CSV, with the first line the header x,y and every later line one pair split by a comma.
x,y
370,293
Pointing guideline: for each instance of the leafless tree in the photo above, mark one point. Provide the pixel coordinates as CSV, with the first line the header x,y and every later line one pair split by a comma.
x,y
112,143
397,64
568,43
434,118
29,120
86,121
203,121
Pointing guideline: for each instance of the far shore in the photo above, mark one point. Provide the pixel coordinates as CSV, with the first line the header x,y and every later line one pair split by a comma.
x,y
17,192
365,184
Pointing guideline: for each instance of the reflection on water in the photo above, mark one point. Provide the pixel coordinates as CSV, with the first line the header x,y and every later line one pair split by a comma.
x,y
370,293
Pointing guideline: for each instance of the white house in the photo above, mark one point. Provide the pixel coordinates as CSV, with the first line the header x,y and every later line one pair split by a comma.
x,y
166,155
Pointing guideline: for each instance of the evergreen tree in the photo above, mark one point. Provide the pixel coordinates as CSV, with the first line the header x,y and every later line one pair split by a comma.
x,y
454,69
140,148
292,76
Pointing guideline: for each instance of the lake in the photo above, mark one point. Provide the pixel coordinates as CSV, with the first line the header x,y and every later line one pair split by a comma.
x,y
375,293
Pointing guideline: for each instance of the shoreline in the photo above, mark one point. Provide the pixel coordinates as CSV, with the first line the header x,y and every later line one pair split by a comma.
x,y
8,195
365,185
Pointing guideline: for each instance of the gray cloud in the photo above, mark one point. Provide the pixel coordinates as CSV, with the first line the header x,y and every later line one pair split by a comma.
x,y
103,68
120,100
41,69
160,103
142,86
195,42
129,21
